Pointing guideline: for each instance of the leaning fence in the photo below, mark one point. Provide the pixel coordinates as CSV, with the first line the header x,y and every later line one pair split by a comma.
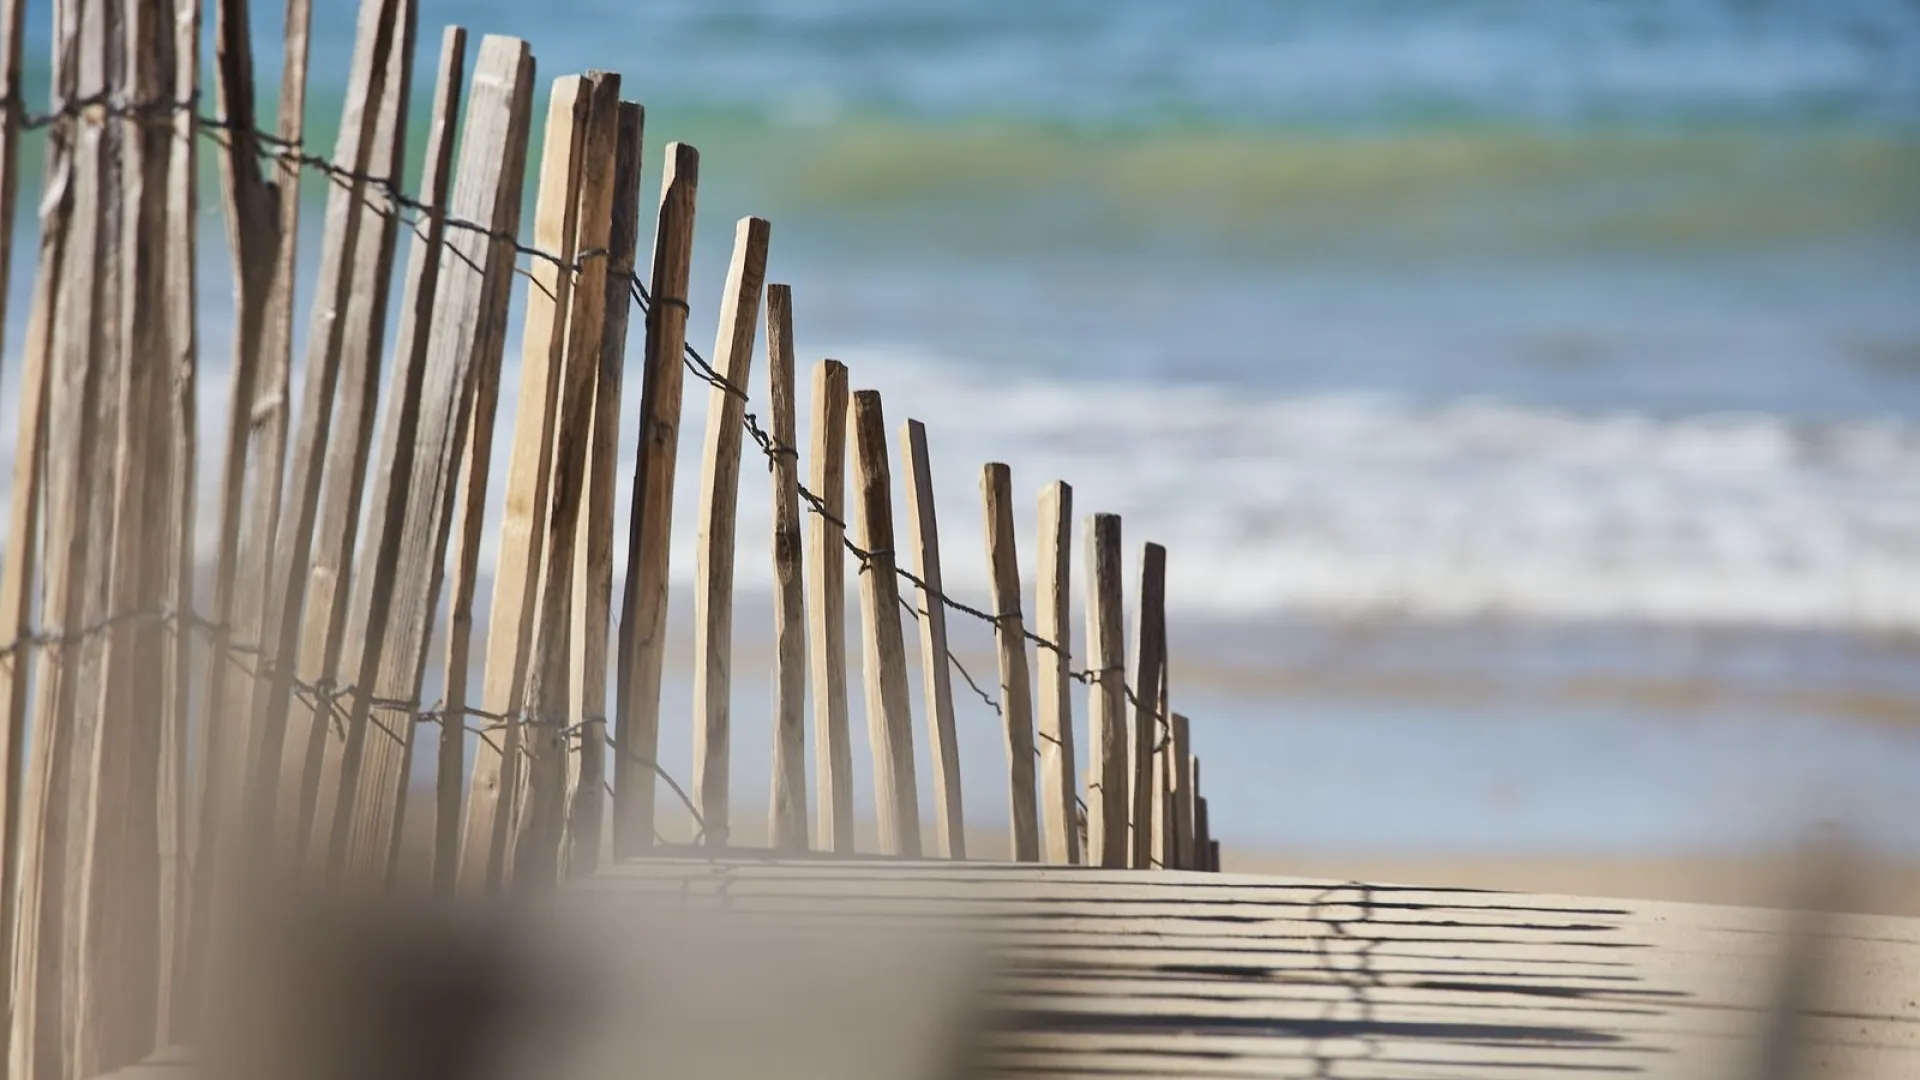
x,y
167,725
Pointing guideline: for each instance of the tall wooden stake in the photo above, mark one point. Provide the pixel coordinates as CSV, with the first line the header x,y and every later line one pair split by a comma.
x,y
787,808
827,604
1053,595
889,715
1107,804
936,678
1009,633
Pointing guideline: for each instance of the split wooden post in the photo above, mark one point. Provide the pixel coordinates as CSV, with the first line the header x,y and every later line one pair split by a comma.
x,y
394,610
541,816
1149,654
714,542
593,581
1180,769
889,716
1053,595
787,808
826,585
950,820
1107,803
643,606
487,835
1010,635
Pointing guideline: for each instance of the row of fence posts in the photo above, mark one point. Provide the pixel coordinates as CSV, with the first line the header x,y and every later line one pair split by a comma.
x,y
171,751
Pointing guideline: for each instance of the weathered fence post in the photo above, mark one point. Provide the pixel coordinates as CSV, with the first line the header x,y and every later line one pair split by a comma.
x,y
1107,804
1180,771
827,600
593,583
949,815
1053,595
643,606
1009,632
488,833
541,815
787,807
714,543
889,716
1149,654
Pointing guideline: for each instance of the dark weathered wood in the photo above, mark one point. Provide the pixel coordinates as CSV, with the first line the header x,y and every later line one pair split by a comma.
x,y
593,582
889,715
826,604
643,605
936,674
1010,639
713,552
540,831
1180,774
1149,641
408,539
35,475
787,808
1107,804
496,770
1053,598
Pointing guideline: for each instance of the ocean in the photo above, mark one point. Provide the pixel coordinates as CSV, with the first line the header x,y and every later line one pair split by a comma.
x,y
1528,394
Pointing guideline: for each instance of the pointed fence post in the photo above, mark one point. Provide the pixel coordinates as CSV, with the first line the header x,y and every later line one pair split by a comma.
x,y
936,680
889,716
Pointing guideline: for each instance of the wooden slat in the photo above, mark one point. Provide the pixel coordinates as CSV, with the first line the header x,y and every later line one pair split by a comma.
x,y
177,544
643,605
355,256
1149,642
74,430
115,980
1107,804
827,599
36,475
713,551
394,609
1202,834
1180,772
936,676
541,819
889,716
1010,639
787,808
593,582
516,575
12,27
1053,599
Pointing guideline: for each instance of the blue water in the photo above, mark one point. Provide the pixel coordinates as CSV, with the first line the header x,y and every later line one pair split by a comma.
x,y
1452,315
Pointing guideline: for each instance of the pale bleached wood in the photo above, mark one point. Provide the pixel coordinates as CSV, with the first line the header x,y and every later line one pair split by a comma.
x,y
12,25
115,977
41,1010
643,604
1053,600
1149,642
1107,804
35,476
356,255
593,582
889,714
787,806
936,676
181,390
713,553
1010,640
826,606
395,601
486,837
541,818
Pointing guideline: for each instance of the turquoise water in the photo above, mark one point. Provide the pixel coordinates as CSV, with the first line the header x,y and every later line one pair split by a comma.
x,y
1490,318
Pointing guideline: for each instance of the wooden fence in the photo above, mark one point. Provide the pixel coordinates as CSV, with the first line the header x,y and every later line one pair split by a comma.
x,y
168,726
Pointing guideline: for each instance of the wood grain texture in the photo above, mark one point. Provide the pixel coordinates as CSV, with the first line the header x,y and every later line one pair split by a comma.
x,y
1010,641
496,770
643,604
1053,604
1107,804
889,715
787,806
827,607
394,610
593,579
1149,641
714,542
12,28
540,828
936,673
